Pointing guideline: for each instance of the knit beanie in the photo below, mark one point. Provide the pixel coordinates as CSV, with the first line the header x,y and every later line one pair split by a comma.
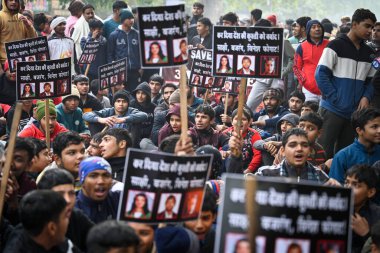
x,y
292,118
40,111
74,93
272,18
175,97
176,239
91,164
272,93
121,94
125,14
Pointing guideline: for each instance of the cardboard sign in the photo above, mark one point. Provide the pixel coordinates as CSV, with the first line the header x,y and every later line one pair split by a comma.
x,y
247,51
283,214
43,79
162,187
29,50
227,85
163,36
89,52
171,75
113,74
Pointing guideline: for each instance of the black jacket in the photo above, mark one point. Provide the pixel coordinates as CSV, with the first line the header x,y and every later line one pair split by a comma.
x,y
78,228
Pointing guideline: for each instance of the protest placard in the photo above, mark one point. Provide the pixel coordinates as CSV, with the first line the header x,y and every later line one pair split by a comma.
x,y
282,213
89,52
227,85
247,51
113,74
43,79
163,36
162,187
28,50
171,75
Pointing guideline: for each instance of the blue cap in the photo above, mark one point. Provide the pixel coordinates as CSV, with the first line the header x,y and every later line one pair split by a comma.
x,y
91,164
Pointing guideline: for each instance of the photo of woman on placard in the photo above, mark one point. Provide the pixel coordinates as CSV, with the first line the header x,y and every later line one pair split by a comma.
x,y
224,65
156,54
104,84
139,208
196,80
27,91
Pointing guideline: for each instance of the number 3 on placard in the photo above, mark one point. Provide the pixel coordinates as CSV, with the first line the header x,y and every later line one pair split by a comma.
x,y
177,74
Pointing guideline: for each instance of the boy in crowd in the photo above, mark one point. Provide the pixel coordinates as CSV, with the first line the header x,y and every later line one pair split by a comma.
x,y
37,129
70,115
119,116
223,121
365,149
156,82
62,181
363,180
145,233
93,148
44,217
309,106
202,133
95,198
41,157
101,95
87,102
112,23
113,148
296,101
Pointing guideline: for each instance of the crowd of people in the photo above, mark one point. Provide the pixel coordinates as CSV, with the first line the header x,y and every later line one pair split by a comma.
x,y
320,122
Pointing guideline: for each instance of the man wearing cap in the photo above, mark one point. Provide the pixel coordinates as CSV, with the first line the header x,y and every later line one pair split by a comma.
x,y
61,46
38,128
121,115
95,198
124,42
70,115
267,118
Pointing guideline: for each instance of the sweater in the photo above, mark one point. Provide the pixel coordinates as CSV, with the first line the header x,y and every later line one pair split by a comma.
x,y
33,131
72,121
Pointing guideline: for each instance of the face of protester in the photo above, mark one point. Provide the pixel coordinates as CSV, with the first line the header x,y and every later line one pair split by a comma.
x,y
41,160
97,184
68,193
121,105
311,129
71,157
167,93
376,34
175,123
285,126
296,151
202,29
227,23
109,147
197,11
202,225
52,123
244,122
93,149
60,29
202,121
316,31
141,96
155,87
269,66
13,5
83,88
71,104
60,227
361,190
20,162
363,30
295,105
305,110
270,104
88,14
246,63
296,29
371,132
128,23
146,235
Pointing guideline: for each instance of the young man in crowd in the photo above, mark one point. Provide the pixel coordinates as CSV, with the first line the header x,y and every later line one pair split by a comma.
x,y
197,11
374,43
87,102
224,120
296,101
166,91
309,106
202,133
70,115
93,148
95,198
343,92
113,148
37,129
203,40
365,149
230,19
156,82
41,157
62,181
255,16
112,23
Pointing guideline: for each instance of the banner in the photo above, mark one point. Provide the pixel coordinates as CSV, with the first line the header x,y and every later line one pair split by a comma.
x,y
163,36
43,79
113,74
171,75
247,51
162,187
227,85
89,52
28,50
283,215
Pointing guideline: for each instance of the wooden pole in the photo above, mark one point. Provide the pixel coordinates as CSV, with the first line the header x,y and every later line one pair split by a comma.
x,y
9,155
87,69
250,207
183,101
225,106
47,123
206,95
243,84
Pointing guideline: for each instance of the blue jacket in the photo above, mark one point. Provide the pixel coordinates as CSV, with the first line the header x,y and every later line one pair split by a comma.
x,y
72,121
121,44
356,153
343,76
132,116
99,211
